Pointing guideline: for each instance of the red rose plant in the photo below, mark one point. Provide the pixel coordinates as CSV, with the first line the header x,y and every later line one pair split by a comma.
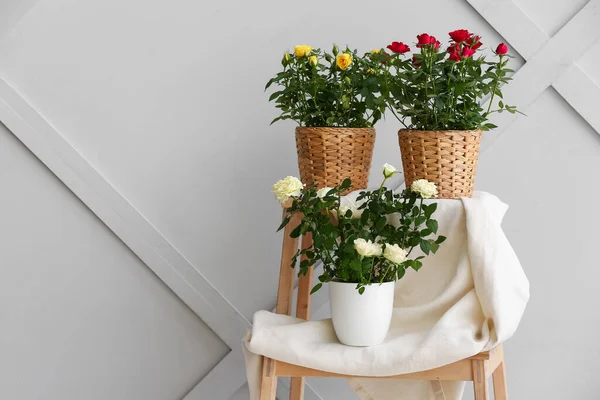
x,y
445,90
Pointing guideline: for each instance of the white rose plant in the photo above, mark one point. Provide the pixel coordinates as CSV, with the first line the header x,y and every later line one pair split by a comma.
x,y
364,241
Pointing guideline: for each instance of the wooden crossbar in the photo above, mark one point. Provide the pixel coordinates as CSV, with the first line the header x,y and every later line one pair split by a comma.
x,y
477,368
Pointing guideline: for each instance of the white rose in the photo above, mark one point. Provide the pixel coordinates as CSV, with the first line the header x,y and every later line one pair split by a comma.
x,y
395,253
323,192
289,186
347,204
366,248
425,188
356,213
389,170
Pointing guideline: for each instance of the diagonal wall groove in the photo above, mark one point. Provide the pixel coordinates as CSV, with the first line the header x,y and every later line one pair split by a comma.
x,y
125,221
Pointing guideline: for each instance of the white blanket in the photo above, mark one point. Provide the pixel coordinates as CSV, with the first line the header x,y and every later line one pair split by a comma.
x,y
467,298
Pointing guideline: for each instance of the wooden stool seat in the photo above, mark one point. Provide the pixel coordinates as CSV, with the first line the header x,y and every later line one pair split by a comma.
x,y
477,368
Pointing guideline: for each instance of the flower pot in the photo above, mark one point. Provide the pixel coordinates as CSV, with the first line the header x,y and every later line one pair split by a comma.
x,y
327,156
361,319
447,158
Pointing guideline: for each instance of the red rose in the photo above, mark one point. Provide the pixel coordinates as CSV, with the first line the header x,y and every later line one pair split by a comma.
x,y
502,49
453,48
416,63
424,39
399,47
467,52
474,42
460,35
436,44
454,56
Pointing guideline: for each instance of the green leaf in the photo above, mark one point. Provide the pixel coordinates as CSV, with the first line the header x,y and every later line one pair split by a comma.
x,y
316,287
277,119
285,221
296,232
355,264
361,290
346,184
440,239
425,232
365,217
416,265
433,225
401,272
429,209
274,96
414,241
424,244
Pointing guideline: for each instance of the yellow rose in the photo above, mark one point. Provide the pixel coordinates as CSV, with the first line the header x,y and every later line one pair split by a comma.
x,y
343,61
313,60
302,50
375,51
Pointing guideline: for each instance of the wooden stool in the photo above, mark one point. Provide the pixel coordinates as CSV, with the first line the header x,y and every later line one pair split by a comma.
x,y
477,369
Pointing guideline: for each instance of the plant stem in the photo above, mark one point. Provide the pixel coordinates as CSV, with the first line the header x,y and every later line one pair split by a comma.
x,y
397,117
433,84
494,88
385,274
415,229
381,187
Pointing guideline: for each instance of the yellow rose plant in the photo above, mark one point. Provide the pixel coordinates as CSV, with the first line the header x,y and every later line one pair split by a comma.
x,y
328,89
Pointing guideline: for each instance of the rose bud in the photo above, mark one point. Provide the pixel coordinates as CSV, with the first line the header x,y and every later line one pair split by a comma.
x,y
502,49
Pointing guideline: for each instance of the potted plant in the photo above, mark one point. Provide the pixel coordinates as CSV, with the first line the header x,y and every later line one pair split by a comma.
x,y
365,243
437,95
333,98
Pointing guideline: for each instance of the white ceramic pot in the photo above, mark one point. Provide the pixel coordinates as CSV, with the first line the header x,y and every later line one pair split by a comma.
x,y
361,319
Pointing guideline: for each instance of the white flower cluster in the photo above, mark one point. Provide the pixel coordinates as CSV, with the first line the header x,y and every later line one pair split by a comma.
x,y
395,253
287,187
367,248
425,188
392,252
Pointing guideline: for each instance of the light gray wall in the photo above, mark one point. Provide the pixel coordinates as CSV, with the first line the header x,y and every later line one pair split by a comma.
x,y
81,316
165,101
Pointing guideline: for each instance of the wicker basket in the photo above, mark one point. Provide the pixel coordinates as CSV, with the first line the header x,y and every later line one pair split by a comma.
x,y
327,156
448,158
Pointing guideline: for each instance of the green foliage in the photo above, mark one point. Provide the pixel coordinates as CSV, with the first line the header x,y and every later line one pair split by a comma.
x,y
439,90
383,217
324,93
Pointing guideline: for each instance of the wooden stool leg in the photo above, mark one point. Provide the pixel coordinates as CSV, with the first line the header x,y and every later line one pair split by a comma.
x,y
297,388
302,311
285,292
499,379
480,380
268,385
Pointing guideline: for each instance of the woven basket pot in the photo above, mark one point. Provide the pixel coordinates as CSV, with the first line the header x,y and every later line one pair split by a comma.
x,y
327,156
447,158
